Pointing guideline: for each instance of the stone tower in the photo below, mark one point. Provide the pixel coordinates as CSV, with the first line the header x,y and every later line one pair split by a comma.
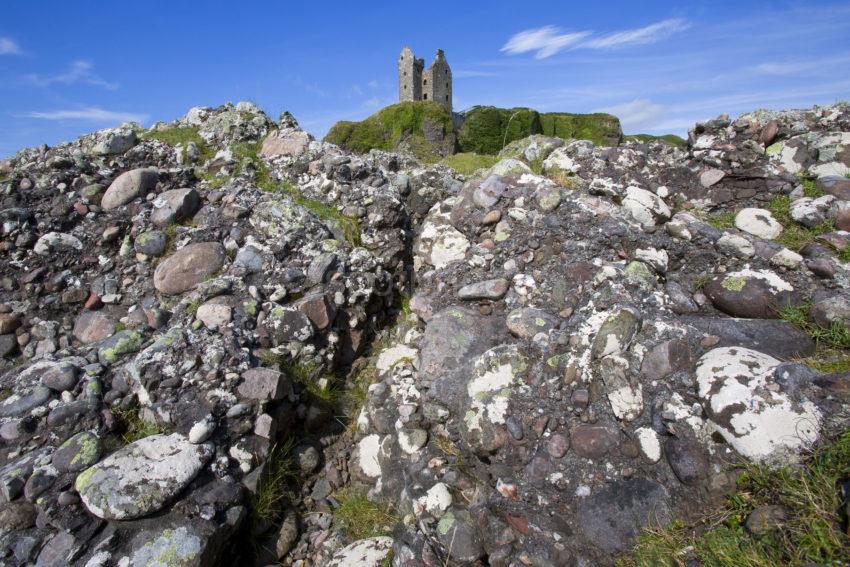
x,y
417,83
409,76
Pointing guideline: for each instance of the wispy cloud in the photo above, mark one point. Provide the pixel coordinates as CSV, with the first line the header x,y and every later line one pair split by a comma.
x,y
549,40
79,71
800,67
312,88
463,74
545,41
9,46
640,36
637,113
89,114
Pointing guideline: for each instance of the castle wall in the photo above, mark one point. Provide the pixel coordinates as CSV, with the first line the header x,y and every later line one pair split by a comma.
x,y
409,76
417,83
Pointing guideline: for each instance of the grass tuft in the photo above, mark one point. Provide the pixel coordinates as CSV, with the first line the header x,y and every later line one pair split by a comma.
x,y
812,532
829,363
135,427
794,236
468,163
722,221
836,336
273,491
361,518
182,136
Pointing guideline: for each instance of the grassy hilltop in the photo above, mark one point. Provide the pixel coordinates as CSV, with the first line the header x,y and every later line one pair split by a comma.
x,y
431,132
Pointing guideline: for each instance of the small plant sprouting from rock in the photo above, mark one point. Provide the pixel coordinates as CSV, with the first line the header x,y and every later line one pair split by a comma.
x,y
360,517
836,336
273,490
135,426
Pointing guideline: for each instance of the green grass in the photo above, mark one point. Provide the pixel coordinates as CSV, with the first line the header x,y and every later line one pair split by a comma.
x,y
354,395
247,156
175,136
722,221
273,491
405,121
671,139
794,236
811,533
135,427
836,336
810,188
469,162
361,518
309,376
829,362
487,129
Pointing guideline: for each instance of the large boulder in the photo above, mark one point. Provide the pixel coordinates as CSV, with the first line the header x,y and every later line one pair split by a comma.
x,y
142,477
188,267
750,410
174,205
756,294
128,186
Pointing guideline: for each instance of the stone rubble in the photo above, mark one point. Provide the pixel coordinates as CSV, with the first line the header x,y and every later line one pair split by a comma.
x,y
555,362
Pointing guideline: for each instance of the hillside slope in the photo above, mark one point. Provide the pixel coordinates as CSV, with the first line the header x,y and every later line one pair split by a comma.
x,y
225,343
425,128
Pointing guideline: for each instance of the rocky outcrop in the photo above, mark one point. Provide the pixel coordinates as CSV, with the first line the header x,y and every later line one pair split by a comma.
x,y
547,364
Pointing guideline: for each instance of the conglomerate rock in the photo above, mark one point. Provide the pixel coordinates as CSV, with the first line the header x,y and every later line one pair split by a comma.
x,y
583,355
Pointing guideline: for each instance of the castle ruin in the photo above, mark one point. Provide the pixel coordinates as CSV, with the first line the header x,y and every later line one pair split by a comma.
x,y
417,83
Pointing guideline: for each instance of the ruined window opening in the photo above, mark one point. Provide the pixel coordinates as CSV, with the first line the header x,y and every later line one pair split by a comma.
x,y
425,96
405,87
425,82
447,85
447,98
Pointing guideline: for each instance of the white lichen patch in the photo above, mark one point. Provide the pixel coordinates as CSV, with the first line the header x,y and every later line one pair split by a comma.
x,y
369,552
398,354
776,283
437,500
760,421
650,446
489,389
626,402
368,450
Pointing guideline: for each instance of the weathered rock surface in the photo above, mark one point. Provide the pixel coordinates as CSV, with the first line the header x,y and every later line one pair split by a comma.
x,y
575,362
188,267
140,478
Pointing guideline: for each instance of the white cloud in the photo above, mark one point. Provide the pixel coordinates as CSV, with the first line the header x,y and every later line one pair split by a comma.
x,y
640,36
639,113
8,46
801,67
79,71
546,41
91,114
462,74
373,84
549,40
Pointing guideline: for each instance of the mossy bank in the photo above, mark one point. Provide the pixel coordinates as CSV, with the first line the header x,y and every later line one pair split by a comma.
x,y
430,131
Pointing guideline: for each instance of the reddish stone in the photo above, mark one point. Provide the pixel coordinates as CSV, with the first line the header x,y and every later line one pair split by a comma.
x,y
93,302
81,209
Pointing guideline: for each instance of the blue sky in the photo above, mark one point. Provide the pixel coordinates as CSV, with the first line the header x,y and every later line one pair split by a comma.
x,y
67,68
